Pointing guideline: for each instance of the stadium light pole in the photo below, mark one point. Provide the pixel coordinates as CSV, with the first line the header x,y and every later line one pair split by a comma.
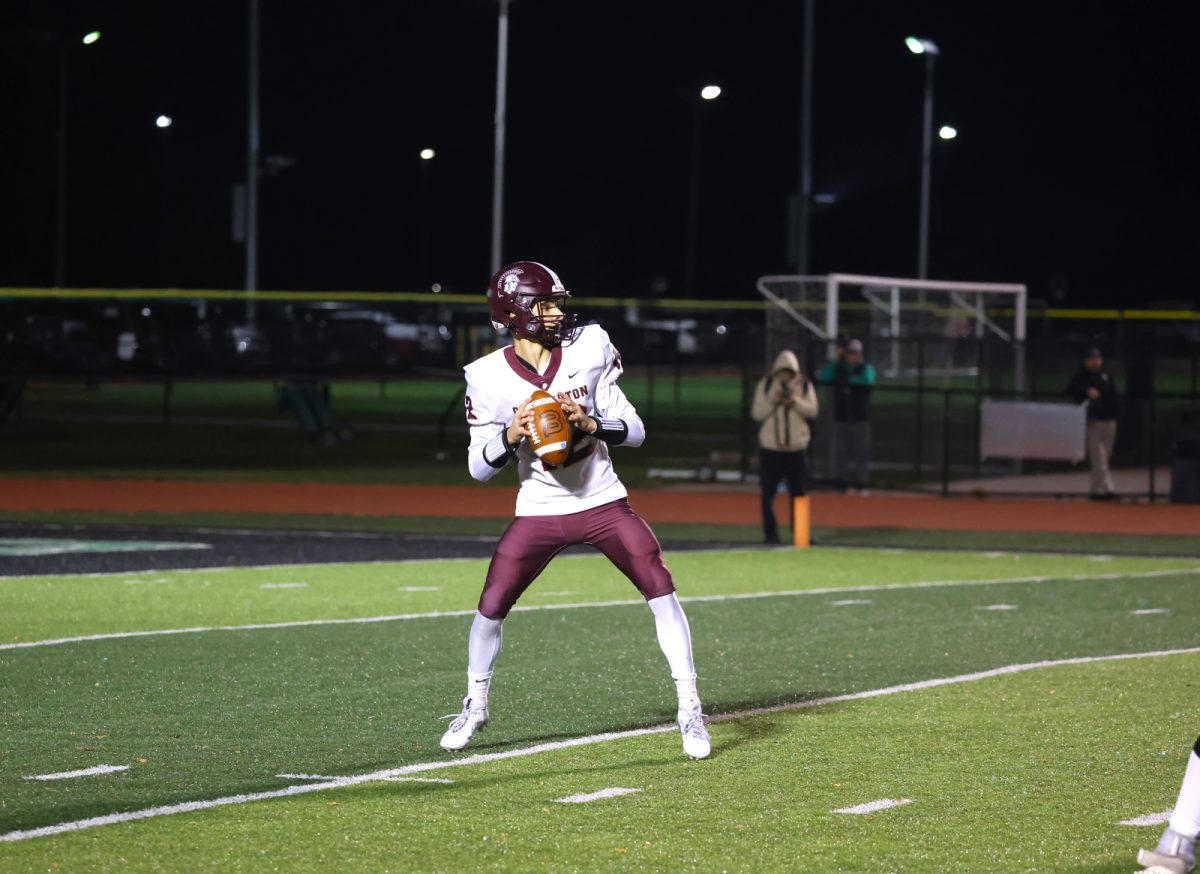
x,y
253,164
804,198
64,45
427,155
498,161
708,94
929,49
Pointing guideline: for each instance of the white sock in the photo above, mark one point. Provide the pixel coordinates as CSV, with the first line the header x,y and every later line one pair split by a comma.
x,y
1186,817
483,646
675,640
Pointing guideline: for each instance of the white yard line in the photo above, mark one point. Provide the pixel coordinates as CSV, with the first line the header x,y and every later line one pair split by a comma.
x,y
851,602
1149,611
528,608
323,777
614,792
284,586
1149,819
83,772
480,758
873,806
997,607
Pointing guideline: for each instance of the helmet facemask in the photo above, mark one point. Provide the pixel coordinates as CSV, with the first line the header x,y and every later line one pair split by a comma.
x,y
559,329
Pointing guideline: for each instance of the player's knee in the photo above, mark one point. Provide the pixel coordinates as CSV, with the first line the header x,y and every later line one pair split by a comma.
x,y
499,594
494,604
653,579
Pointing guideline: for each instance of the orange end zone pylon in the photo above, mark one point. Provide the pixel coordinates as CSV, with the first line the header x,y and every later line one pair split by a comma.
x,y
800,536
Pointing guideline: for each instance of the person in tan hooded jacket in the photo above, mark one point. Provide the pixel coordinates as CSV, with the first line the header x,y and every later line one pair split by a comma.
x,y
784,401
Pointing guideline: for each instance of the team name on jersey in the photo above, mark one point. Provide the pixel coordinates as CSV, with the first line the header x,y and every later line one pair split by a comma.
x,y
574,393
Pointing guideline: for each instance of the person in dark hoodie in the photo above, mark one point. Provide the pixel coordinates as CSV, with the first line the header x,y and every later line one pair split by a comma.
x,y
1094,386
784,401
850,379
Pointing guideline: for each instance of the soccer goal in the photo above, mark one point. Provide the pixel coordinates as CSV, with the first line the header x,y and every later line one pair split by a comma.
x,y
912,327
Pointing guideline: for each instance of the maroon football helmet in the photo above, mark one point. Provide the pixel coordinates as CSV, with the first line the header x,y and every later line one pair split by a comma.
x,y
513,294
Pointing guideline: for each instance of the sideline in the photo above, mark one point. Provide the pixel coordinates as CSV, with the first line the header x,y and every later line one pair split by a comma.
x,y
655,505
480,758
562,556
686,599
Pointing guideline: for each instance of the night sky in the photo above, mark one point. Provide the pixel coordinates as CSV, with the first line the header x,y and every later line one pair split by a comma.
x,y
1074,169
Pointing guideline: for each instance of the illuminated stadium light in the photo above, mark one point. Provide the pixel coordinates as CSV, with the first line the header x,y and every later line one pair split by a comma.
x,y
92,37
427,154
164,121
946,132
929,49
919,46
710,92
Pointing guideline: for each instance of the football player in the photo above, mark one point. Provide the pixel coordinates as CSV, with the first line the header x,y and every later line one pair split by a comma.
x,y
580,501
1176,850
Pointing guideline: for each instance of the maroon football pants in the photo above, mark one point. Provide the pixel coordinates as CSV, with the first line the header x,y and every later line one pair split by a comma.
x,y
529,543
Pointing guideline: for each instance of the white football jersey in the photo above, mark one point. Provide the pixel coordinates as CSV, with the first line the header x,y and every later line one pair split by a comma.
x,y
587,370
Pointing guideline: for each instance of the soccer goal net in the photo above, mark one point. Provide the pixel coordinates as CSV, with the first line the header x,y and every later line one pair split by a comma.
x,y
911,327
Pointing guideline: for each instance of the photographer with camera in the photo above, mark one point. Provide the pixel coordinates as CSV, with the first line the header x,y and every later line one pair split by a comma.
x,y
784,401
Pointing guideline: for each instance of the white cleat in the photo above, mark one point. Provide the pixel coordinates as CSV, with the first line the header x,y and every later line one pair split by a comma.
x,y
1175,854
696,742
464,726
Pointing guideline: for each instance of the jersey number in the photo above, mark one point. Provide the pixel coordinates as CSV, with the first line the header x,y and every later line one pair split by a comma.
x,y
579,452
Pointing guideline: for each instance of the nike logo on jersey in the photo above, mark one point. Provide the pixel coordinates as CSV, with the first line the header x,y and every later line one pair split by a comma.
x,y
573,375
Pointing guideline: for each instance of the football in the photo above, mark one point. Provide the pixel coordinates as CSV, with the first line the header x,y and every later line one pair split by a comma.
x,y
550,432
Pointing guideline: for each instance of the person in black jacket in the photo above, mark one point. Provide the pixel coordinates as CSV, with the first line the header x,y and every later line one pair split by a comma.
x,y
1094,386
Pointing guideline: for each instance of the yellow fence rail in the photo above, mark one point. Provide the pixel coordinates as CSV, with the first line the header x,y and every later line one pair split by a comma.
x,y
426,297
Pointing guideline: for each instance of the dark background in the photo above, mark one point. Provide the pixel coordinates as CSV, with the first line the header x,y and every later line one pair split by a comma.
x,y
1073,170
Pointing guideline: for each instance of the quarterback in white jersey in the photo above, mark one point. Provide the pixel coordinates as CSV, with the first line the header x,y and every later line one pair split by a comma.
x,y
586,371
579,501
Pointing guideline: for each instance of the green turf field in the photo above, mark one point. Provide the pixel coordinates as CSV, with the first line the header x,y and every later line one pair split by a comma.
x,y
351,667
